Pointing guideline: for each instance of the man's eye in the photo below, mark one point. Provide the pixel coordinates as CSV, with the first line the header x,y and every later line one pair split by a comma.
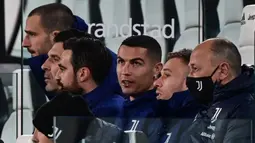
x,y
31,34
56,59
167,75
137,64
120,61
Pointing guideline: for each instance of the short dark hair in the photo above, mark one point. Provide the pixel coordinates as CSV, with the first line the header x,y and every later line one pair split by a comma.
x,y
71,33
92,53
183,54
54,16
147,42
227,50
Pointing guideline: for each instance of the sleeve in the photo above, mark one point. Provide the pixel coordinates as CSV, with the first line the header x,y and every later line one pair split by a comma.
x,y
239,128
238,131
154,127
100,131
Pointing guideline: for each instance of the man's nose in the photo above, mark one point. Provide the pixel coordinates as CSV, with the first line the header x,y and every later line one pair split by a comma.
x,y
126,69
46,65
26,42
35,136
158,82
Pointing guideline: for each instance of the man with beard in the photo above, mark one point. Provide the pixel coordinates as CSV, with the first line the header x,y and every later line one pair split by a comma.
x,y
226,89
83,68
101,100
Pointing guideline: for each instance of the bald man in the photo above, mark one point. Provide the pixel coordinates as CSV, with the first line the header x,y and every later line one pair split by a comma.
x,y
225,88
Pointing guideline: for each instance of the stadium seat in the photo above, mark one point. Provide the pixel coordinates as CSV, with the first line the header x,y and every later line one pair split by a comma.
x,y
190,24
229,12
115,15
210,19
4,110
6,73
33,98
153,15
247,31
5,91
24,139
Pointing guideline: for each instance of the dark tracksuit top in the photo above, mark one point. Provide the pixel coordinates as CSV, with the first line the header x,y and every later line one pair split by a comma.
x,y
177,114
230,116
141,115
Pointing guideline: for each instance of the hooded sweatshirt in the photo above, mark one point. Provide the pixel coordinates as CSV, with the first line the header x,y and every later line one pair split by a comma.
x,y
228,118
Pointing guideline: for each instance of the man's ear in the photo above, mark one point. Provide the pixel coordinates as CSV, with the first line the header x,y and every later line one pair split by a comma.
x,y
83,74
184,85
224,71
53,35
158,68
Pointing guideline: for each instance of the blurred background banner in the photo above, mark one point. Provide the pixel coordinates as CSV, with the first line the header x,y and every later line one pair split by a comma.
x,y
176,24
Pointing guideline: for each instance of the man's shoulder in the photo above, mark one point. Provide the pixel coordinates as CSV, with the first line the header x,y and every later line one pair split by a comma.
x,y
114,100
245,109
111,106
241,98
240,106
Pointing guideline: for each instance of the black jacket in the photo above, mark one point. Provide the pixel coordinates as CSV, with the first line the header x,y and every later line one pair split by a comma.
x,y
228,119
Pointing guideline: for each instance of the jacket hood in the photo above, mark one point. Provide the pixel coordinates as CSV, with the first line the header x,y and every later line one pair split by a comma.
x,y
244,83
181,105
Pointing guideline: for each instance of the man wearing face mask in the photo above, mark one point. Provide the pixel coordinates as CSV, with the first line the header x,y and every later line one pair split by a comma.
x,y
225,88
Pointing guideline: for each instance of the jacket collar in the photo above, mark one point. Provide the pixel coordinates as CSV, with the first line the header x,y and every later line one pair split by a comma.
x,y
244,83
98,94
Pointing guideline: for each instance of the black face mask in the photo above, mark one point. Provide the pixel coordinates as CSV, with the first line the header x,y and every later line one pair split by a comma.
x,y
201,88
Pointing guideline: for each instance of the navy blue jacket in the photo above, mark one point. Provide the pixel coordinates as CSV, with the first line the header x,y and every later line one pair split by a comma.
x,y
104,101
141,115
177,114
228,119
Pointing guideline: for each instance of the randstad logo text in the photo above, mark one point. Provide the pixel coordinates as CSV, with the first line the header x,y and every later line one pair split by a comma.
x,y
125,30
